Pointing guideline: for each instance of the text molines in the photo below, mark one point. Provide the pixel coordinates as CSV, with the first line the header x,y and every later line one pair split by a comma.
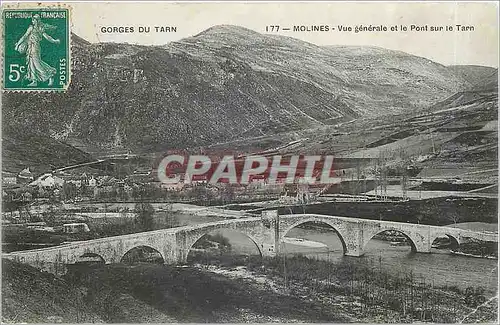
x,y
370,28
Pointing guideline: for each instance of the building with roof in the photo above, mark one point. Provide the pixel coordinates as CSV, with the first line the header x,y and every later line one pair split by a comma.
x,y
48,180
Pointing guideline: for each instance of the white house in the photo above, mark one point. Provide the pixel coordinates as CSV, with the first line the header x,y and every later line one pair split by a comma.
x,y
48,180
92,182
25,176
73,228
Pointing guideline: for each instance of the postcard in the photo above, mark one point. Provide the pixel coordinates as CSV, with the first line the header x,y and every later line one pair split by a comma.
x,y
249,162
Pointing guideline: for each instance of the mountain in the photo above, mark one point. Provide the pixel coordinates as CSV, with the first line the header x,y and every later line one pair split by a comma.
x,y
474,74
483,90
487,83
223,84
454,139
40,153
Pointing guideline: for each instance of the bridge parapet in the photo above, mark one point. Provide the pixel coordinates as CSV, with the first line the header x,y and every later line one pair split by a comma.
x,y
174,244
355,233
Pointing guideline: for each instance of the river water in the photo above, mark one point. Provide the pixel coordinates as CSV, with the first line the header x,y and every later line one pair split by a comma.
x,y
440,267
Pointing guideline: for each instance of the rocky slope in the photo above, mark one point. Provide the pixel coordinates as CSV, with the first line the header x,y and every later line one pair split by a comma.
x,y
474,74
223,84
21,149
31,296
455,138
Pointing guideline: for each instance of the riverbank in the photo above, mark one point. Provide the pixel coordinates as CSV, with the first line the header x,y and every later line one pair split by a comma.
x,y
303,242
230,289
363,292
477,248
472,255
238,290
32,296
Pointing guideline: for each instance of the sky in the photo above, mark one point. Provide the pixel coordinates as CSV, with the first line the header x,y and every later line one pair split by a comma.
x,y
479,46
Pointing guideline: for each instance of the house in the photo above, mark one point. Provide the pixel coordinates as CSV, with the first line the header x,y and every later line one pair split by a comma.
x,y
40,226
172,186
25,176
296,194
76,182
107,181
288,194
74,228
48,180
9,178
128,189
145,171
92,182
27,196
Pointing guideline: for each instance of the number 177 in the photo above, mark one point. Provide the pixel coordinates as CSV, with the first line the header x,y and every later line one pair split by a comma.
x,y
272,28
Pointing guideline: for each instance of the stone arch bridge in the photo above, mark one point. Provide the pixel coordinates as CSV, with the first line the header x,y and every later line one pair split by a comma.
x,y
266,232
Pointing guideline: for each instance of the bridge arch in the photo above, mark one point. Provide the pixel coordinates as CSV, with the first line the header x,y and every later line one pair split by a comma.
x,y
141,249
90,257
193,239
454,241
409,237
338,230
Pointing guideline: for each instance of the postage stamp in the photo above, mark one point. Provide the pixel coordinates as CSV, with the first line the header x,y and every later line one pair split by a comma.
x,y
36,51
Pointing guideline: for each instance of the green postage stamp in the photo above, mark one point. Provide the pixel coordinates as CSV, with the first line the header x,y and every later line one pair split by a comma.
x,y
36,51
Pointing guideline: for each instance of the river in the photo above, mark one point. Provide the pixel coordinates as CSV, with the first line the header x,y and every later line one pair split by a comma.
x,y
440,267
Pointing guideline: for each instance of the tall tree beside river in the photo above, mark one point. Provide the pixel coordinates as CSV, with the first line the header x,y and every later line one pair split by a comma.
x,y
144,215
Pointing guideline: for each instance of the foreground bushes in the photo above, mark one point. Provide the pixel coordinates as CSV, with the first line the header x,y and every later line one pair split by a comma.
x,y
411,298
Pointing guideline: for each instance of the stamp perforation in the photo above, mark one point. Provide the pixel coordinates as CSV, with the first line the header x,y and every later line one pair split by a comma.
x,y
68,66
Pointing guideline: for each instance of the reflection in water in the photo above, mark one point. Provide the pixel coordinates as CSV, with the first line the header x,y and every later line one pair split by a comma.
x,y
440,267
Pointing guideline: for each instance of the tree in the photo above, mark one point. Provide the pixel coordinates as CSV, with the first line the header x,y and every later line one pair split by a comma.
x,y
453,217
144,213
69,191
50,216
227,194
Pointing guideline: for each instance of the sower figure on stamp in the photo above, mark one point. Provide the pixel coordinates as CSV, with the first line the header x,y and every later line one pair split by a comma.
x,y
37,70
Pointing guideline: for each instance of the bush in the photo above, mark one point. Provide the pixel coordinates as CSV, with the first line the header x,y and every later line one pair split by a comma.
x,y
474,296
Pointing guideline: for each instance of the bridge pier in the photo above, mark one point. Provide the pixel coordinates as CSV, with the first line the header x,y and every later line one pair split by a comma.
x,y
424,248
354,252
353,240
268,250
266,232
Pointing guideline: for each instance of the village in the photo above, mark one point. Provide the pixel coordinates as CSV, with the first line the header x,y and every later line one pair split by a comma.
x,y
53,202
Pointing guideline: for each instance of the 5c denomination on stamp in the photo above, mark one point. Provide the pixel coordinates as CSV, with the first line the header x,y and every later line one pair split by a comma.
x,y
36,51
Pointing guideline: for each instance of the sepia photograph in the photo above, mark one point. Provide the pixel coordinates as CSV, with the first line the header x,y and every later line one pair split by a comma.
x,y
249,162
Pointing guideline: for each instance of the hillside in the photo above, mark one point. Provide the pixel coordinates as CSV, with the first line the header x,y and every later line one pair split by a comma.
x,y
484,89
223,84
487,83
474,74
31,296
456,138
40,153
